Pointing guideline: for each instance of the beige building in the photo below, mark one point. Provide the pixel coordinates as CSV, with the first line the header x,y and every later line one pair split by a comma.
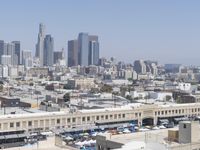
x,y
52,120
81,83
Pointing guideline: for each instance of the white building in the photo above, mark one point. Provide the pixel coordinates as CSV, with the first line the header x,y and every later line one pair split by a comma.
x,y
6,60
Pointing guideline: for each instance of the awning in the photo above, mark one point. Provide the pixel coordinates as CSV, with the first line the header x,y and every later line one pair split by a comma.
x,y
2,137
11,136
163,120
181,119
22,135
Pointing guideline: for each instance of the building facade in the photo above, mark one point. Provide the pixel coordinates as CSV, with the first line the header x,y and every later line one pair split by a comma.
x,y
48,50
52,120
40,44
72,53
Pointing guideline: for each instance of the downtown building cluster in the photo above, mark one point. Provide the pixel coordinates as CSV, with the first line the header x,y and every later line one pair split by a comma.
x,y
84,51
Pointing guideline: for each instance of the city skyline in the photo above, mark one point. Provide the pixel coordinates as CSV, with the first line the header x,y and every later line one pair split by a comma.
x,y
138,31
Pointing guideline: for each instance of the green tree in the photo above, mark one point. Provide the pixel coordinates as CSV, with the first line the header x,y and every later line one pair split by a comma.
x,y
106,88
168,97
66,97
1,87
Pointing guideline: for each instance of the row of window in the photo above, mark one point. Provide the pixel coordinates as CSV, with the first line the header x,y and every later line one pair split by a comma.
x,y
71,120
177,111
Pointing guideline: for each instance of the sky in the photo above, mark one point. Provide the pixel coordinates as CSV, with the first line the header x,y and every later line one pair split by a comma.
x,y
163,30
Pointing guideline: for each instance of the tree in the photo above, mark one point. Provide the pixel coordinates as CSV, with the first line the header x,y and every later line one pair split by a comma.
x,y
106,88
67,87
129,97
31,84
168,97
1,87
66,97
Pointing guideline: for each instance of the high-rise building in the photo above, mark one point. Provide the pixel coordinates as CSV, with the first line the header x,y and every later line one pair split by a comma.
x,y
48,50
83,49
88,49
140,67
9,49
1,48
58,55
26,54
93,50
40,44
6,60
17,51
72,53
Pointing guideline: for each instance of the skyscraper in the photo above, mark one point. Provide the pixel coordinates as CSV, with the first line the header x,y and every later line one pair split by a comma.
x,y
83,49
140,67
6,60
1,48
17,51
72,53
58,55
26,54
48,51
93,50
40,44
88,49
9,49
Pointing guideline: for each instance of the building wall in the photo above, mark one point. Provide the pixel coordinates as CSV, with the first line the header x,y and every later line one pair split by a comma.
x,y
49,120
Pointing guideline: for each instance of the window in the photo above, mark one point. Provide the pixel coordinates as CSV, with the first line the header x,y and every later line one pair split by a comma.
x,y
88,118
184,126
102,117
119,115
58,121
111,116
17,124
136,114
155,113
176,111
11,125
162,112
165,112
123,115
83,119
179,111
158,112
30,123
115,116
68,120
106,116
73,119
97,117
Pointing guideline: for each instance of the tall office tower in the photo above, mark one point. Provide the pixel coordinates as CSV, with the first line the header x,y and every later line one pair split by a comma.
x,y
9,49
72,53
17,51
6,60
48,50
1,48
26,54
40,44
140,67
83,49
151,67
58,55
93,57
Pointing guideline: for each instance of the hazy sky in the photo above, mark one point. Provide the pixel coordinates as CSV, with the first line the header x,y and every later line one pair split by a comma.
x,y
163,30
